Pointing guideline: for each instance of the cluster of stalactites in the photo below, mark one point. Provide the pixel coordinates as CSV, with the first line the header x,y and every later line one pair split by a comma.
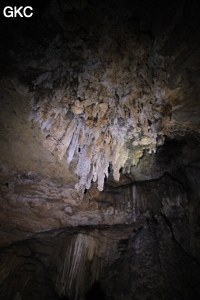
x,y
109,115
123,136
80,255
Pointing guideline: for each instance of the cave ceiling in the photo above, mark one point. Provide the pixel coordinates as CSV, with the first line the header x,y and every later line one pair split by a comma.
x,y
90,93
100,151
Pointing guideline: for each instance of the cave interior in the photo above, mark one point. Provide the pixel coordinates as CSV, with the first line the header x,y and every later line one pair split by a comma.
x,y
100,151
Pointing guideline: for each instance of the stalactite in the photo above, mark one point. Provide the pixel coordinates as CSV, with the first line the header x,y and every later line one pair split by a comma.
x,y
134,194
105,112
81,262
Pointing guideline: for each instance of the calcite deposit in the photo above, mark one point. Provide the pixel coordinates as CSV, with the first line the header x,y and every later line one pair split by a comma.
x,y
111,98
110,111
100,151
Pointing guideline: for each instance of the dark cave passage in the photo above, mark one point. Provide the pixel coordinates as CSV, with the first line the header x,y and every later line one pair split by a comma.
x,y
95,292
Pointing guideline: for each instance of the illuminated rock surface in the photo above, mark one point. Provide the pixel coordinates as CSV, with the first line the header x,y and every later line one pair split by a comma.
x,y
100,151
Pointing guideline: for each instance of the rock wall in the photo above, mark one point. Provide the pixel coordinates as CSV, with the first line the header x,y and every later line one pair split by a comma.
x,y
99,151
153,253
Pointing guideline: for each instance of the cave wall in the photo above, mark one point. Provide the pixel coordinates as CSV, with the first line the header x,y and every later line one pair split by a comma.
x,y
154,254
100,151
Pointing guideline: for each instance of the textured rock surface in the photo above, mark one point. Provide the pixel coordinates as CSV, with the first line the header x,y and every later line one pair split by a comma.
x,y
100,151
105,90
158,267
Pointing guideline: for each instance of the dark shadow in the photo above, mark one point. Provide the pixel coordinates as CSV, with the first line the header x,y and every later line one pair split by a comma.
x,y
96,292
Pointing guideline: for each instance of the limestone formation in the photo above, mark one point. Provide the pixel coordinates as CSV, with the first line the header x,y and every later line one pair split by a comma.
x,y
112,116
100,151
